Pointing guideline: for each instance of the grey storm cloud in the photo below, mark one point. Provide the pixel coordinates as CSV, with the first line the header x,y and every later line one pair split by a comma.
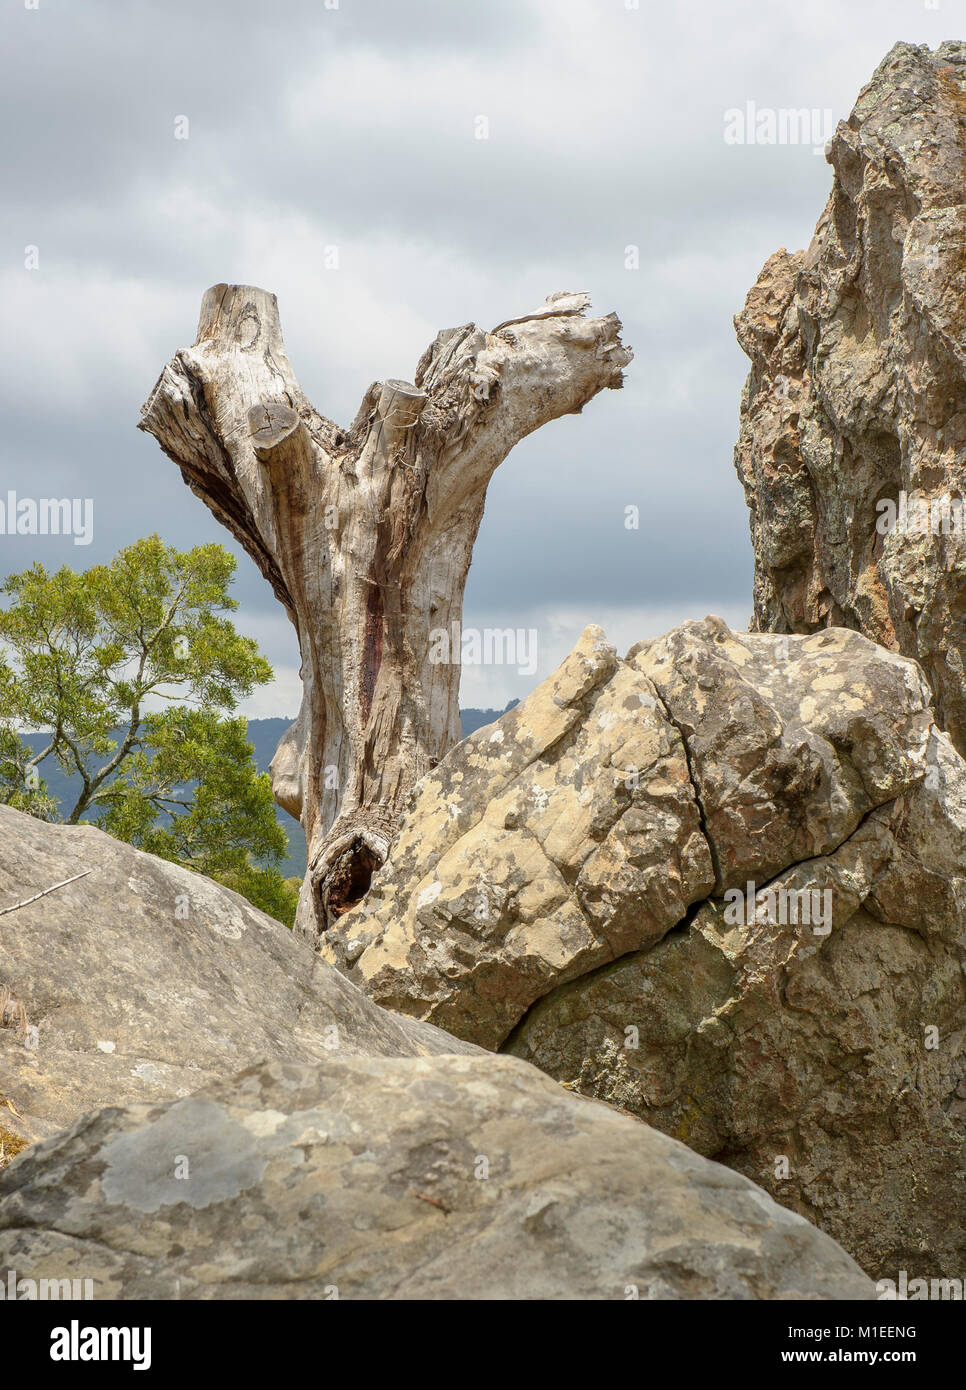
x,y
354,126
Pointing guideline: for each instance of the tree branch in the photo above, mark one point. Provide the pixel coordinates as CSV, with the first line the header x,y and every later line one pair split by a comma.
x,y
27,901
366,534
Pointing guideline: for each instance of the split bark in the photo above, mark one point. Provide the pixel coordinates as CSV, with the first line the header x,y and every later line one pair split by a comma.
x,y
366,536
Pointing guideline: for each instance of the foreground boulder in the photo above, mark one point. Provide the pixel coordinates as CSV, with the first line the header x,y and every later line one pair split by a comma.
x,y
142,981
853,436
399,1178
720,884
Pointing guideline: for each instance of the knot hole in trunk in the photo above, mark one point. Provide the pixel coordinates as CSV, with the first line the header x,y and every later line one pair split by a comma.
x,y
347,882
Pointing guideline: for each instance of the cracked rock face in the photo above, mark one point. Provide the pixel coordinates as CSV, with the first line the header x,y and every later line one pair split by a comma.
x,y
400,1178
720,884
143,981
853,433
533,855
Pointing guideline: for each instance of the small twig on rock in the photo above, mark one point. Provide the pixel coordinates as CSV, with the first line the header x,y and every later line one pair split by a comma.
x,y
27,901
433,1201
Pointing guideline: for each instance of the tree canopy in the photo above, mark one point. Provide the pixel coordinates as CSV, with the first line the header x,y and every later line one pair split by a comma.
x,y
133,673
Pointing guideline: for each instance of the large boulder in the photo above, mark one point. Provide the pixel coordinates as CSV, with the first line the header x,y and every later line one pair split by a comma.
x,y
853,436
399,1178
528,858
143,981
720,884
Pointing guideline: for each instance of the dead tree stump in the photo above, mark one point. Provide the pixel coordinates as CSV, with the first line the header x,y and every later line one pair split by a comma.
x,y
365,535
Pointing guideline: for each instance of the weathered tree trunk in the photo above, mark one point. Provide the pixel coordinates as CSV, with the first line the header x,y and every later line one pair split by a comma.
x,y
366,536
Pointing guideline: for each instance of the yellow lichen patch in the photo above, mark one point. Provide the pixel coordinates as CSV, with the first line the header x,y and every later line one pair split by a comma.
x,y
10,1146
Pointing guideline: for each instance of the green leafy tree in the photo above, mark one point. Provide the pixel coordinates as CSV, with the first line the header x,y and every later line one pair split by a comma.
x,y
20,783
132,671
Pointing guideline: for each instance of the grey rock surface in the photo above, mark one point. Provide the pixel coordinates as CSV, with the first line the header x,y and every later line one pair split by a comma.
x,y
449,1178
571,884
853,435
143,981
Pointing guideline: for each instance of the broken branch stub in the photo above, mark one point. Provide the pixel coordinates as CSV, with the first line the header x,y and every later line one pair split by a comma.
x,y
366,536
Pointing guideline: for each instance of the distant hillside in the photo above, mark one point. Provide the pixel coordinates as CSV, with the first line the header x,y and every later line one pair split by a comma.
x,y
264,735
473,719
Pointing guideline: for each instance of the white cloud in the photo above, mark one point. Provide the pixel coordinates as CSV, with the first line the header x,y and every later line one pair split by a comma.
x,y
279,700
355,128
557,630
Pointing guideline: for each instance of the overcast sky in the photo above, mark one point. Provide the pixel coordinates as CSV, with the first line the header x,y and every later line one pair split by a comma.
x,y
354,126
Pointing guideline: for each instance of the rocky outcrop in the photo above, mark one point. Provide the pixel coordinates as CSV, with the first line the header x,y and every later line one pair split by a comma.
x,y
354,1159
399,1178
143,981
853,433
720,884
528,859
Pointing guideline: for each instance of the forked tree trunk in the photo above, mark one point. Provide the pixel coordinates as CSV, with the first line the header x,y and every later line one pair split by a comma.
x,y
366,536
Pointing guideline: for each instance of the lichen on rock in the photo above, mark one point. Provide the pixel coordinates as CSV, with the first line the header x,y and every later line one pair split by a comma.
x,y
853,436
718,884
